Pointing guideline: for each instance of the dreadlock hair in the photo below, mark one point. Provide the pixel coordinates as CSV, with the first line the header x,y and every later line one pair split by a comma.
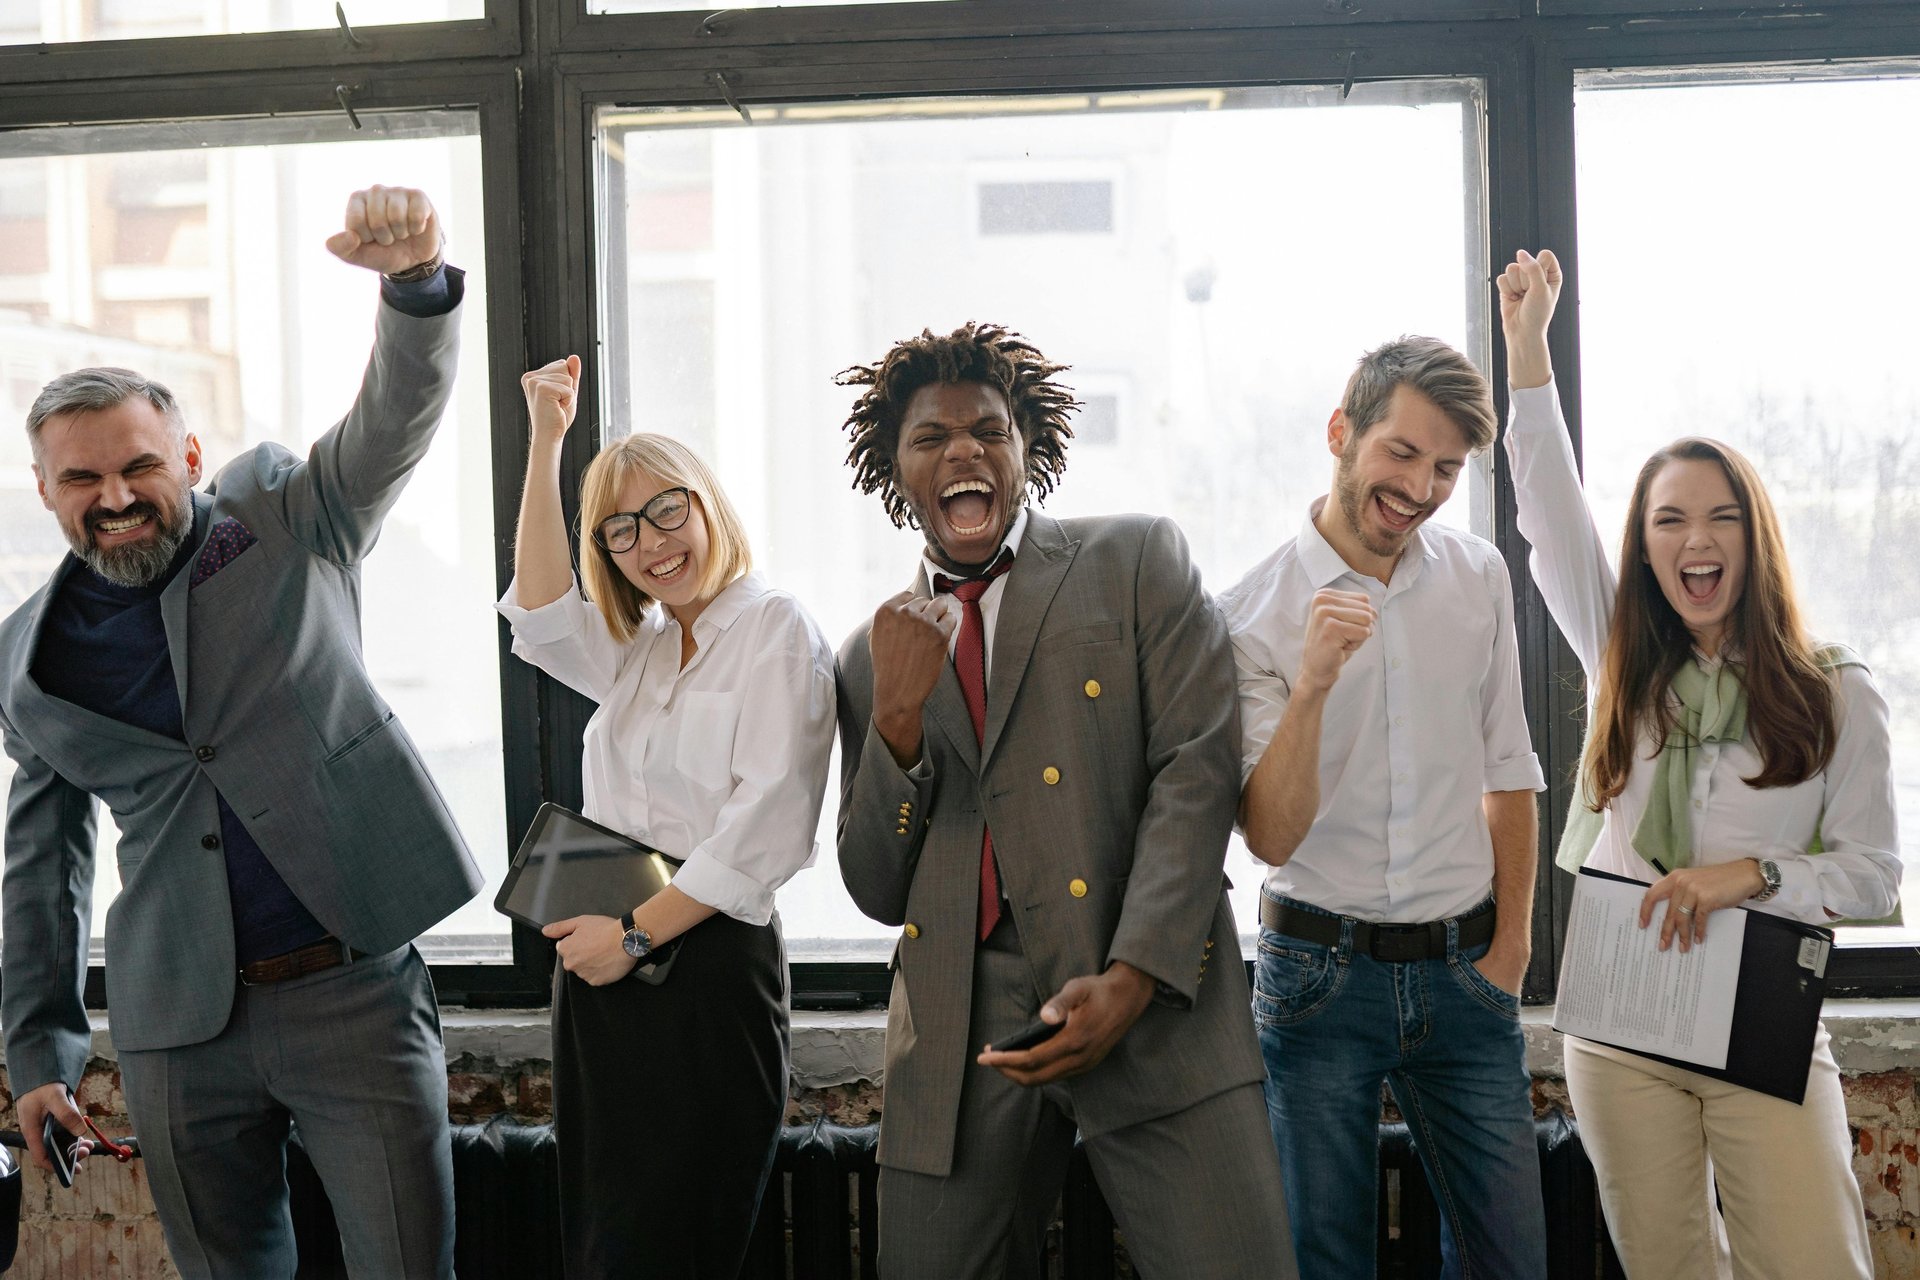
x,y
988,353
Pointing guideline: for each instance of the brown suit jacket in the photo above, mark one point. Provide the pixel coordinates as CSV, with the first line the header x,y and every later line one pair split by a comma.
x,y
1109,774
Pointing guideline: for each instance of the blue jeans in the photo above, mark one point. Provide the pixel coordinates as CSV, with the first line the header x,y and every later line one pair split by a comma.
x,y
1333,1025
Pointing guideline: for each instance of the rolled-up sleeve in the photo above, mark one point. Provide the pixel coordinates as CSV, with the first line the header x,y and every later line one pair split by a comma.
x,y
566,638
764,834
1511,764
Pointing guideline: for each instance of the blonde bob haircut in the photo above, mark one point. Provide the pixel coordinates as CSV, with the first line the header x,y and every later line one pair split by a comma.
x,y
671,465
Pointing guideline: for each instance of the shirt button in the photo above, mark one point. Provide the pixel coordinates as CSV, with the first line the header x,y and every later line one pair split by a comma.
x,y
1050,775
913,930
1396,664
204,754
1077,887
209,842
1093,688
1699,804
1399,721
1399,777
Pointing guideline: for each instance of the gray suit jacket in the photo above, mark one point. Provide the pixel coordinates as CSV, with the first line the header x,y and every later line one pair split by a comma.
x,y
1109,775
280,717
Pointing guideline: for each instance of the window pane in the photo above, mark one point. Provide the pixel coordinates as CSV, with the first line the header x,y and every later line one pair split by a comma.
x,y
195,253
59,21
1209,261
682,6
1741,277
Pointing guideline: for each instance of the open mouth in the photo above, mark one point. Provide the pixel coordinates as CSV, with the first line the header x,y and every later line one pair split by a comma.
x,y
967,506
669,569
116,527
1397,514
1701,581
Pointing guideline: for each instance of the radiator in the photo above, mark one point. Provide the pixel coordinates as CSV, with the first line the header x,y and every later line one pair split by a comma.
x,y
817,1221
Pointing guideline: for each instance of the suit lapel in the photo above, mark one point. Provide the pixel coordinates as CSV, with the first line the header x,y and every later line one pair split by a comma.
x,y
1045,554
947,703
42,707
173,600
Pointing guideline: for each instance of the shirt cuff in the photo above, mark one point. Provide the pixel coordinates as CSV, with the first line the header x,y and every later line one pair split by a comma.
x,y
1799,894
713,883
555,620
1520,773
1538,404
436,295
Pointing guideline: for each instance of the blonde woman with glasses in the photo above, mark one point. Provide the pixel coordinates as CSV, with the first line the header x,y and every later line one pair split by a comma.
x,y
710,743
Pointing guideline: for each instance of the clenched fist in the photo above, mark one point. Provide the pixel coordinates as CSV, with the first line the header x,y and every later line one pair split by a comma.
x,y
909,647
1338,622
1529,290
387,229
553,397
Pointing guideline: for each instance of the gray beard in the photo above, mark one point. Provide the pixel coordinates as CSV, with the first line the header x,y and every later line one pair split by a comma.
x,y
141,564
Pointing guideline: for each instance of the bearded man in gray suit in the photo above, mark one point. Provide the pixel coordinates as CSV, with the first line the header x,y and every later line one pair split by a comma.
x,y
195,663
1037,783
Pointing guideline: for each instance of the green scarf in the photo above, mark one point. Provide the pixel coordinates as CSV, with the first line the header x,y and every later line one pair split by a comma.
x,y
1713,708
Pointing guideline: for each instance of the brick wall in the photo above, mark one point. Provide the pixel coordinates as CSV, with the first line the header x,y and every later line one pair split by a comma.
x,y
104,1228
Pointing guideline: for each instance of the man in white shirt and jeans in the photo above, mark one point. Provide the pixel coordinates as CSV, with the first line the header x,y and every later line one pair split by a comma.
x,y
1389,783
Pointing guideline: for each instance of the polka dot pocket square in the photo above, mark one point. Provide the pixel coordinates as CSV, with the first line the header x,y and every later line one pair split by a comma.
x,y
224,544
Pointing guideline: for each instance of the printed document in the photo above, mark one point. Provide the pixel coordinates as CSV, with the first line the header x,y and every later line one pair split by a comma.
x,y
1619,988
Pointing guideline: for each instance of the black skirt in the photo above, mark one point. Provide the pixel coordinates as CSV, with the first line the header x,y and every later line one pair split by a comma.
x,y
667,1107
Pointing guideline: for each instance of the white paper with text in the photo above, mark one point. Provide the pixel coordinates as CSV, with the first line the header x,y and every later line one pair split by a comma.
x,y
1619,988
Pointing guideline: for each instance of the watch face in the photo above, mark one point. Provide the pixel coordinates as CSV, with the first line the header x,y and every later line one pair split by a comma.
x,y
636,943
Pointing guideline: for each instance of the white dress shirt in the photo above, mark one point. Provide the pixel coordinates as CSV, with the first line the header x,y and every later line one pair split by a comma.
x,y
722,762
1850,804
1425,718
989,599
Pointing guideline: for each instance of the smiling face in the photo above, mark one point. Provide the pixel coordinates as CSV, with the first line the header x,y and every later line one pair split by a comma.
x,y
120,482
1695,533
961,465
1390,479
668,566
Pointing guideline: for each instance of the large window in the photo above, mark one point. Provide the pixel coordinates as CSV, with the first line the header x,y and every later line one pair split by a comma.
x,y
196,254
1209,261
1743,276
58,21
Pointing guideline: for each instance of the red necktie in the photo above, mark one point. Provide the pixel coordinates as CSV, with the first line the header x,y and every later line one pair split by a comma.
x,y
970,664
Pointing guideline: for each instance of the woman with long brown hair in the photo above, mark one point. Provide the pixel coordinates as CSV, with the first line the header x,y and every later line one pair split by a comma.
x,y
1730,761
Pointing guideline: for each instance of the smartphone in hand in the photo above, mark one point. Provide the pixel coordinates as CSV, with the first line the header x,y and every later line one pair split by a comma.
x,y
59,1144
1034,1033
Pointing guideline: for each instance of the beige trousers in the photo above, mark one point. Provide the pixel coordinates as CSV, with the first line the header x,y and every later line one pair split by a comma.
x,y
1662,1140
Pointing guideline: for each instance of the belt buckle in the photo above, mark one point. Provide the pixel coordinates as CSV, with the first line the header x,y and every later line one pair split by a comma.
x,y
1403,942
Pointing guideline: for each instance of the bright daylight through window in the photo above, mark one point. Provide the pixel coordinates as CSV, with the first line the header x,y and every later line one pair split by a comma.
x,y
1207,260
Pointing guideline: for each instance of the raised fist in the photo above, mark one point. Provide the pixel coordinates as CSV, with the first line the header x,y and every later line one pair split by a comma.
x,y
387,229
553,396
1529,290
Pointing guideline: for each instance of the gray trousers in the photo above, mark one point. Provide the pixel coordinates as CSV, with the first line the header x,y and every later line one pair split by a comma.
x,y
1196,1193
352,1056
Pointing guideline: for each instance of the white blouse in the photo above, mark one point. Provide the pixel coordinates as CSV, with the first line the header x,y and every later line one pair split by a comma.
x,y
1850,804
723,762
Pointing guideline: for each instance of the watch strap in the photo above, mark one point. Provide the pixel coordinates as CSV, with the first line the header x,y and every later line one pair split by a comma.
x,y
626,922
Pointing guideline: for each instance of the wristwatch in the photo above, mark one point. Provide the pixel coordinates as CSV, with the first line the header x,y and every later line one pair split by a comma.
x,y
637,943
1770,872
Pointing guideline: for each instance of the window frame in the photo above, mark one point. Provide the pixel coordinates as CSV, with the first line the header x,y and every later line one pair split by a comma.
x,y
536,70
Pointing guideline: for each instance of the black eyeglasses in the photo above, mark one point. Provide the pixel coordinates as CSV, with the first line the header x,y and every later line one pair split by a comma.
x,y
666,511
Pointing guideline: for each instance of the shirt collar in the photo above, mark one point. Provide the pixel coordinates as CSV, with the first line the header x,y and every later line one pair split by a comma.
x,y
1325,566
724,608
1010,545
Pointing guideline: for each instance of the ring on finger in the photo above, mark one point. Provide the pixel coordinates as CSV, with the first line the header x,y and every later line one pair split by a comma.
x,y
1685,911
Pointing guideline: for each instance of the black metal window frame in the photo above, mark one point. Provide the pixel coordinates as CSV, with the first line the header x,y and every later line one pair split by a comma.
x,y
537,70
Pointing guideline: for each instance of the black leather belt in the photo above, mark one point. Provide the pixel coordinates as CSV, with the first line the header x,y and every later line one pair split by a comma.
x,y
328,953
1393,943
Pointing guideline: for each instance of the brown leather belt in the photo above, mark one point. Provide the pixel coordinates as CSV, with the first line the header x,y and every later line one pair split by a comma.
x,y
328,953
1393,943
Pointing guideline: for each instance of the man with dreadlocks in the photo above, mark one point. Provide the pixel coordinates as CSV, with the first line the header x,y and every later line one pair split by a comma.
x,y
1037,783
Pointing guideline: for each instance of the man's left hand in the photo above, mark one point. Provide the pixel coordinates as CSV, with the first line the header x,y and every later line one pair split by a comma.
x,y
590,948
1504,967
1097,1010
387,229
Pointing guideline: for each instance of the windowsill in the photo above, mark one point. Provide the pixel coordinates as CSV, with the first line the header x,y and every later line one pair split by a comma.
x,y
842,1048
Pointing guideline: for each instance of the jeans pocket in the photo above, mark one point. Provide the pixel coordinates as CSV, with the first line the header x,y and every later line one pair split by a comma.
x,y
1496,999
1293,979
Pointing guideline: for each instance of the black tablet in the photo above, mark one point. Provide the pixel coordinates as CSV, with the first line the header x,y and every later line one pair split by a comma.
x,y
569,866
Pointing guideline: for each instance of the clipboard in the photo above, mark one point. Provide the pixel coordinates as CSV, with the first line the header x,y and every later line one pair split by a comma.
x,y
568,865
1776,1007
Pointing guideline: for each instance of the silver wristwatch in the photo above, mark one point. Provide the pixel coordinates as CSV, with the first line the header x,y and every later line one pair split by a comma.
x,y
1770,872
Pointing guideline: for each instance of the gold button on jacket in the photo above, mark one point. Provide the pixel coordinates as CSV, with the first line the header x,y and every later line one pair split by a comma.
x,y
1050,775
913,930
1077,887
1093,688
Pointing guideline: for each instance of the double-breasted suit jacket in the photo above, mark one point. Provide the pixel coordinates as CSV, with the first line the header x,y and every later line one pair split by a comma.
x,y
1108,772
280,717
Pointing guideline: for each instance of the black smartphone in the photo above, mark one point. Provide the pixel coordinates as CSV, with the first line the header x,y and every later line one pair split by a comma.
x,y
1034,1033
59,1145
